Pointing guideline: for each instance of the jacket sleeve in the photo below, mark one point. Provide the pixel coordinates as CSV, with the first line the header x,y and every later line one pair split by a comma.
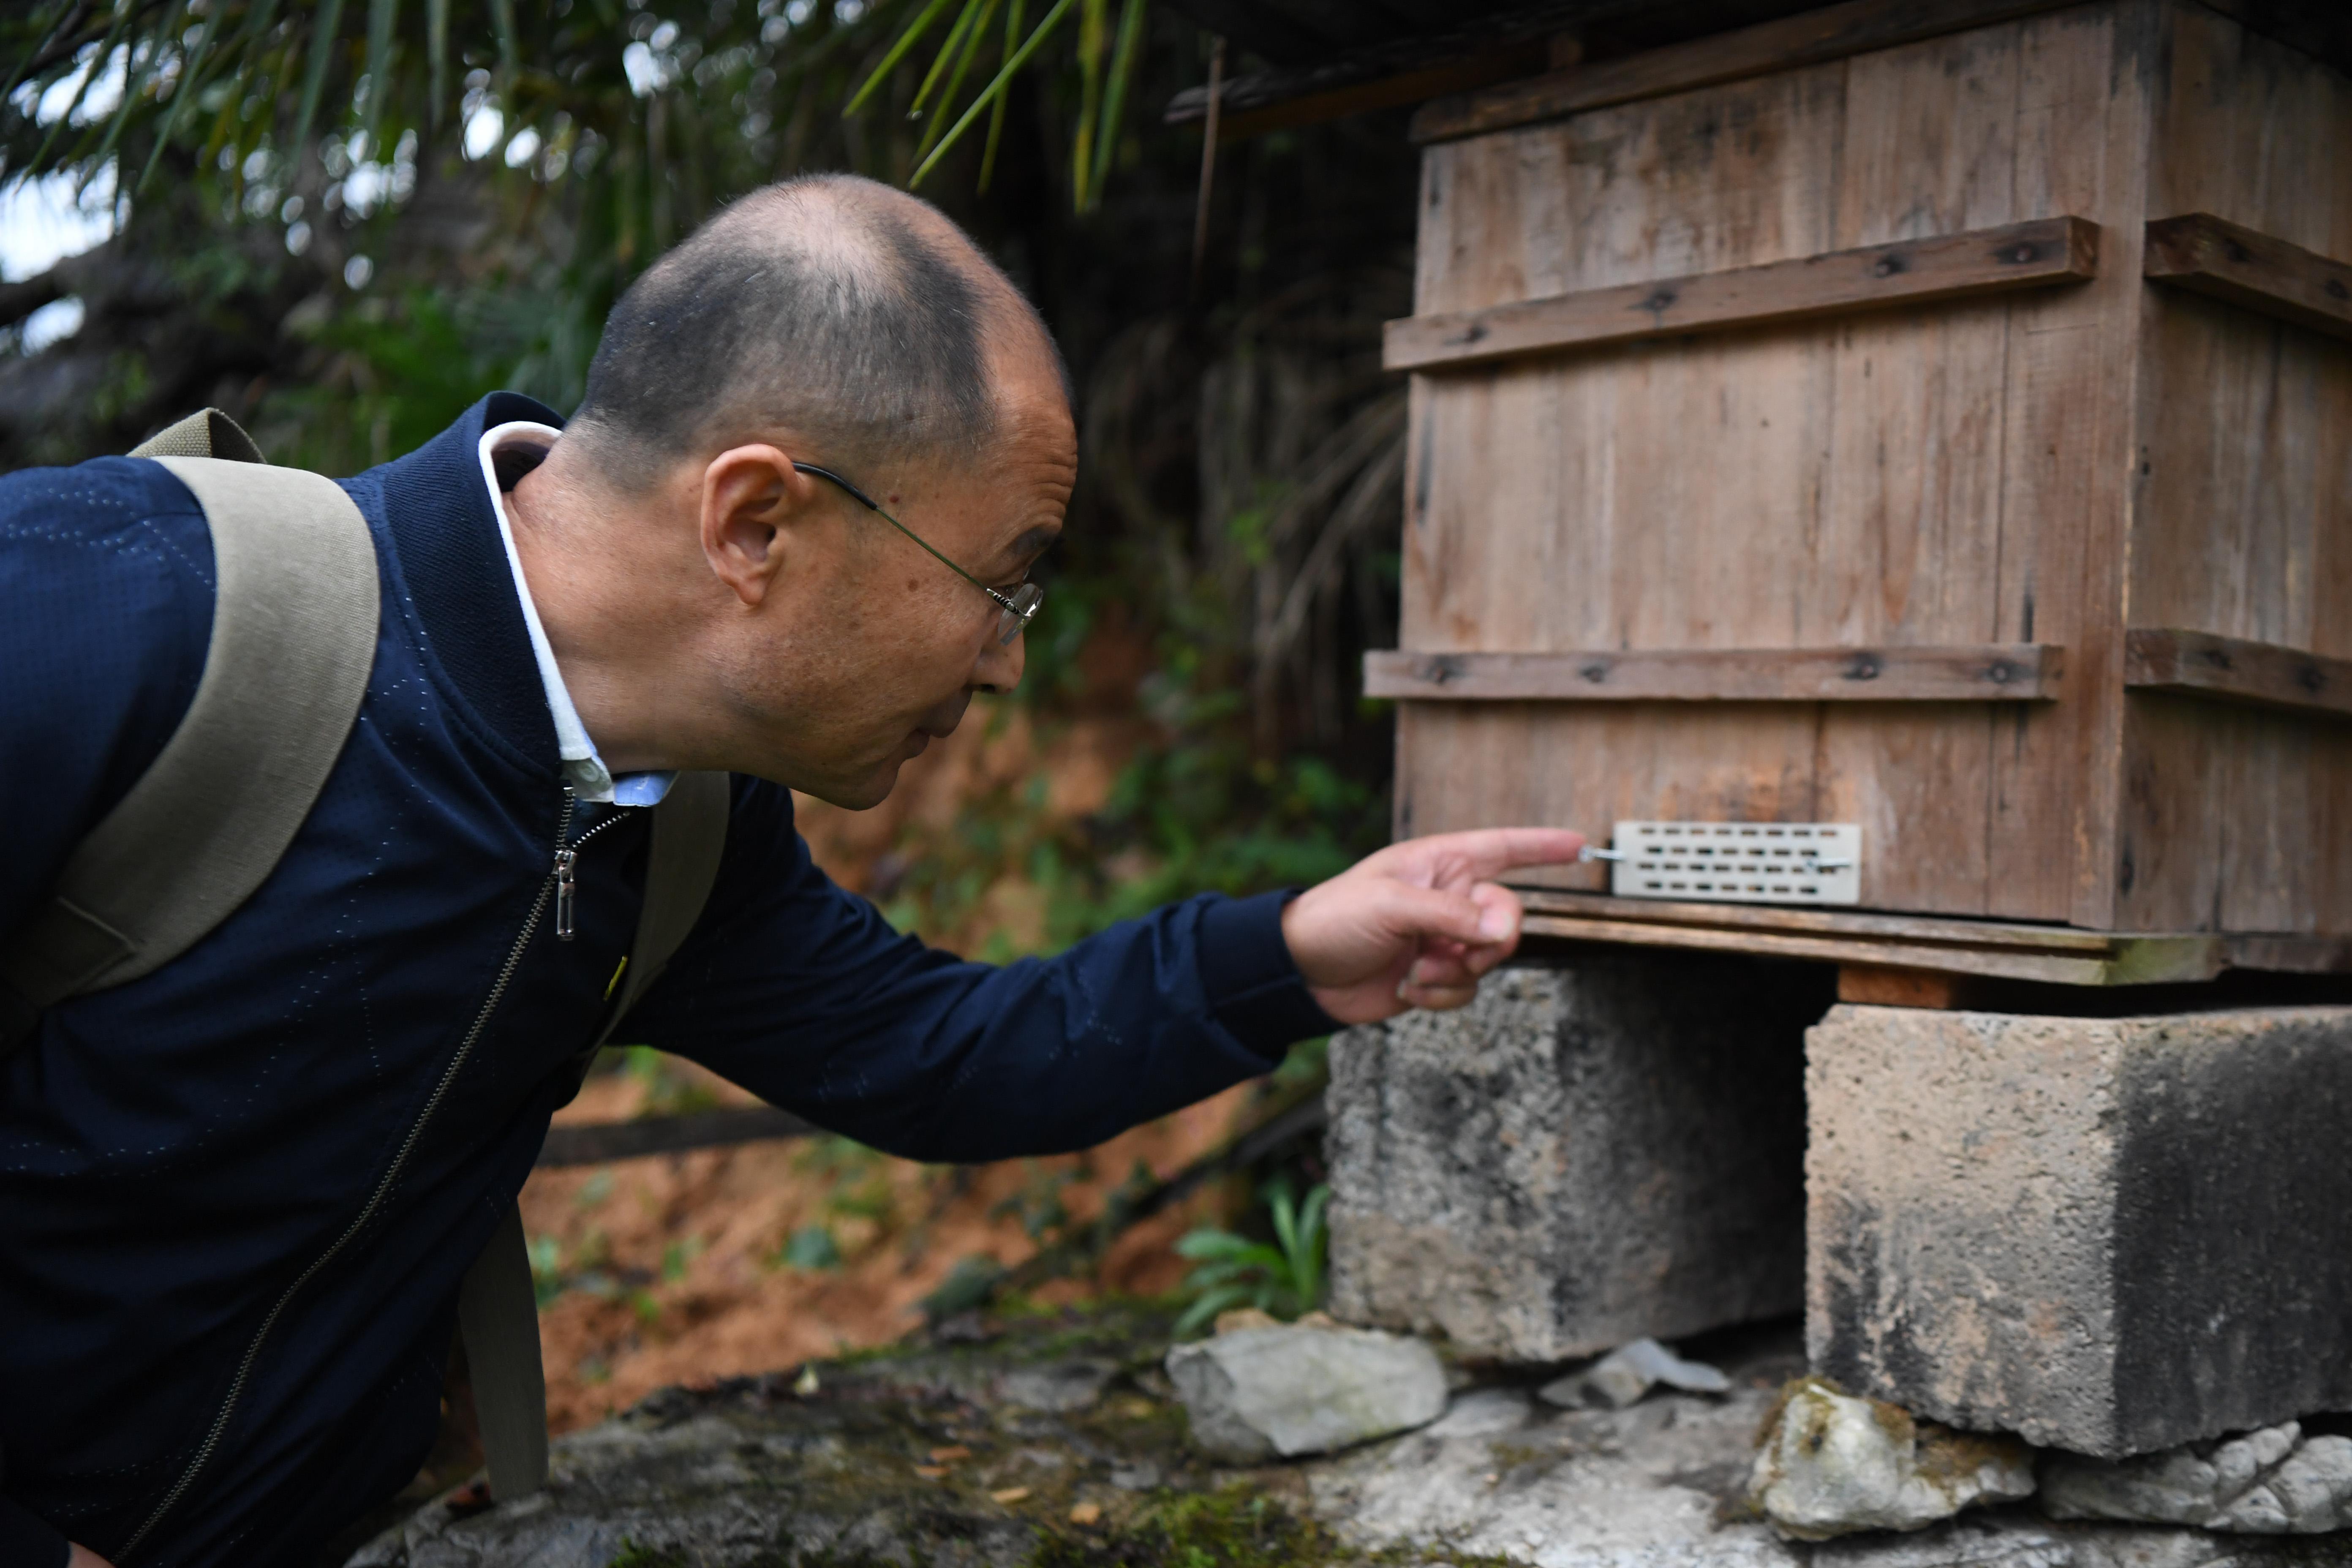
x,y
106,576
30,1541
801,993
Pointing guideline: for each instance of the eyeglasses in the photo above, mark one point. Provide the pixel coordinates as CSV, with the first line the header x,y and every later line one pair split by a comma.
x,y
1020,606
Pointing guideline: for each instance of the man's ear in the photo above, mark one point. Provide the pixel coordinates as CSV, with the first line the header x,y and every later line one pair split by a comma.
x,y
753,500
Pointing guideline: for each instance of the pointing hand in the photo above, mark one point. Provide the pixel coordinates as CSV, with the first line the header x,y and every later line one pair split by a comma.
x,y
1418,923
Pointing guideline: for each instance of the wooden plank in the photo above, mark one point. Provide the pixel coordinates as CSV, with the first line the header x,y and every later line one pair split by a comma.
x,y
1833,33
1282,99
2257,272
2235,669
1858,924
2293,954
2243,493
1909,540
2029,672
1877,985
2069,446
2040,253
2138,961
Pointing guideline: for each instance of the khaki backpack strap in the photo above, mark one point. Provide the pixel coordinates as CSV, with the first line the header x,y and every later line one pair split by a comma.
x,y
689,839
496,1309
207,432
293,639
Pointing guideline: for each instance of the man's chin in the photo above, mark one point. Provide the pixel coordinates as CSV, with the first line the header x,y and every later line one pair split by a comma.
x,y
863,793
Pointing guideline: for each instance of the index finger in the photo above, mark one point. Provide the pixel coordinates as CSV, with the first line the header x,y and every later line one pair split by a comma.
x,y
1480,853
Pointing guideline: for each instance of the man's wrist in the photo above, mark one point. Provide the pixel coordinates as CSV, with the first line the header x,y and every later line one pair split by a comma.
x,y
1252,983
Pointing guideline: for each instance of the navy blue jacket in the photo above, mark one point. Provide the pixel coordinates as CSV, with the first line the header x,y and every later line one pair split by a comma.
x,y
236,1196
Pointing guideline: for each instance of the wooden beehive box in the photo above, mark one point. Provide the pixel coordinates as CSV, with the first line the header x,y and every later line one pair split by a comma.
x,y
1933,418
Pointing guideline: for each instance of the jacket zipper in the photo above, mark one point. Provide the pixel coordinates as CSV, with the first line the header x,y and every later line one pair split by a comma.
x,y
567,862
561,875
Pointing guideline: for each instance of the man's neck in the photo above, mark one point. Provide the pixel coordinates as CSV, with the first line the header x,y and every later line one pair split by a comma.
x,y
616,619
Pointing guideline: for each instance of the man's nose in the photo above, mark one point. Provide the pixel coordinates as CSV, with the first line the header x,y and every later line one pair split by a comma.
x,y
1000,664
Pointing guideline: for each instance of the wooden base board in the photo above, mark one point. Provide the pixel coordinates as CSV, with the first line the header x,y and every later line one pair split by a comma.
x,y
1915,946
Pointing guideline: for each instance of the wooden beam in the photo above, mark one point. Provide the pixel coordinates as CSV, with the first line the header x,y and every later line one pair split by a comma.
x,y
2131,960
1954,266
1833,33
1279,101
1991,672
2259,271
1876,986
1854,924
595,1142
2166,658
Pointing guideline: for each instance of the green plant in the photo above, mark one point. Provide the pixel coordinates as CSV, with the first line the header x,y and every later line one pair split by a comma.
x,y
811,1247
1284,1279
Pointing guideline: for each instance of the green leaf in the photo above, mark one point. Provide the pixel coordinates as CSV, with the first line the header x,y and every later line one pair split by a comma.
x,y
383,16
437,45
314,80
1013,15
1206,1309
955,82
1122,71
906,40
812,1246
183,93
988,93
503,17
940,61
1091,16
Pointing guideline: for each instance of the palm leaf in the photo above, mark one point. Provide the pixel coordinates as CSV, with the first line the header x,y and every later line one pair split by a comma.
x,y
955,82
1122,70
989,94
898,51
996,113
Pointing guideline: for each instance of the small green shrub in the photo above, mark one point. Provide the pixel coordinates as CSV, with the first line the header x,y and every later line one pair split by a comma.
x,y
1284,1279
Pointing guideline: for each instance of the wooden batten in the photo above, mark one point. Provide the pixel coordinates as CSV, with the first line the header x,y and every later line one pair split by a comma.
x,y
1871,277
1833,33
1906,960
2006,672
2238,670
2259,271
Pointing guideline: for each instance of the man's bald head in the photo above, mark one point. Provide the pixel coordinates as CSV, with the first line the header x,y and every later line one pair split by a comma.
x,y
853,316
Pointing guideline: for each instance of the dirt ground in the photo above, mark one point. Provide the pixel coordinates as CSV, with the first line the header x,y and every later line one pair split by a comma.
x,y
673,1268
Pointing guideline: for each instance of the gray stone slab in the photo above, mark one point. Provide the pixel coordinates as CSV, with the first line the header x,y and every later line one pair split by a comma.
x,y
1598,1148
2108,1235
749,1473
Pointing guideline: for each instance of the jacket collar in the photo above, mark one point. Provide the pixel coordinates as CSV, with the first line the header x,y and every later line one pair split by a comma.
x,y
454,572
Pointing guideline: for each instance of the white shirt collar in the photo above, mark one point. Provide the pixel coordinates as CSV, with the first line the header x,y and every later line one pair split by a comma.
x,y
583,770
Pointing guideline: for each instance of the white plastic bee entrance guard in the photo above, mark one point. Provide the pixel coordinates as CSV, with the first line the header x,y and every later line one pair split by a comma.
x,y
1737,862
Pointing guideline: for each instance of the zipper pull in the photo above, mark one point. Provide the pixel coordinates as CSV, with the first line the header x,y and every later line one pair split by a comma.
x,y
565,888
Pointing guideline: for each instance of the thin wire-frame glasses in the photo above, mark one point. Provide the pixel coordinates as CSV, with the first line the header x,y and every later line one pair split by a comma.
x,y
1020,605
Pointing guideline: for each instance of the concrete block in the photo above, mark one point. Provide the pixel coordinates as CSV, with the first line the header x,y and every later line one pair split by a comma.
x,y
2107,1235
1600,1148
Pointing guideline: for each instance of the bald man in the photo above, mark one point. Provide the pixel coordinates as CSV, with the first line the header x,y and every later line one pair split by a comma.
x,y
785,536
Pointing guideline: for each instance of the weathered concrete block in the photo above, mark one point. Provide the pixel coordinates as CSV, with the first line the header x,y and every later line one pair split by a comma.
x,y
1597,1149
2108,1235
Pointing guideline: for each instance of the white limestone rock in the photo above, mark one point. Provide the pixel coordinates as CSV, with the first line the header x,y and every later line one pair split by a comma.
x,y
1483,1412
1629,1372
1259,1394
2273,1481
1831,1464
